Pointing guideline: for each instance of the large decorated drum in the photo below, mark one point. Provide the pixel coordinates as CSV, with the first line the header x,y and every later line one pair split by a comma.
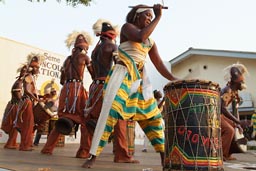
x,y
192,120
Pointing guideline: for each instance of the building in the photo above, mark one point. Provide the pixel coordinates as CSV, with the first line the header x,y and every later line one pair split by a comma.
x,y
206,64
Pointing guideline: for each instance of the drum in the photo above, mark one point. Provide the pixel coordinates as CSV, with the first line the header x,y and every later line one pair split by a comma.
x,y
65,126
247,126
41,114
192,126
43,129
239,143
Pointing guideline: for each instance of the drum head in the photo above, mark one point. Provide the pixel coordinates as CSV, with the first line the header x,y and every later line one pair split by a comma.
x,y
202,84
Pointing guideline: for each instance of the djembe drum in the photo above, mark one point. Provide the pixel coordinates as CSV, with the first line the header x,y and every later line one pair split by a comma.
x,y
192,120
41,113
65,126
236,145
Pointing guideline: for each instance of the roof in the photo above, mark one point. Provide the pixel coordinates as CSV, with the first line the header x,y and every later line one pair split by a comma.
x,y
211,52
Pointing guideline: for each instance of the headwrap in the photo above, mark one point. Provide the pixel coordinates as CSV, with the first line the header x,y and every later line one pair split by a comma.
x,y
104,27
139,10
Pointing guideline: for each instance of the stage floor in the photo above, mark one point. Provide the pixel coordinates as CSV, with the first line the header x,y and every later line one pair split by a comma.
x,y
63,160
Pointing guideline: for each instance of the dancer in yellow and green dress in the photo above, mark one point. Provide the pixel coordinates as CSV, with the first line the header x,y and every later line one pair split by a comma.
x,y
127,90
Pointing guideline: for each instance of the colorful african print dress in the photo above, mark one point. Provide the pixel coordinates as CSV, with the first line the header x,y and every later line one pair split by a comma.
x,y
128,95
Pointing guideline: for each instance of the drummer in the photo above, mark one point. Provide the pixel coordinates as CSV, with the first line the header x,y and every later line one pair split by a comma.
x,y
128,97
73,95
229,95
50,105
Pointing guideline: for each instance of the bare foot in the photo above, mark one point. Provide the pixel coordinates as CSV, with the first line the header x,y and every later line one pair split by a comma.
x,y
89,162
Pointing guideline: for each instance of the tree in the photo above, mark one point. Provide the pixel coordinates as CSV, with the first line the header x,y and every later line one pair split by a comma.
x,y
73,3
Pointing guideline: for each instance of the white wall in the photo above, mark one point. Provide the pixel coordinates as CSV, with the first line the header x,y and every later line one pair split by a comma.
x,y
156,79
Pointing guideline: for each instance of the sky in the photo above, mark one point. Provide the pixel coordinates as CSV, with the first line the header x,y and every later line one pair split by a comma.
x,y
204,24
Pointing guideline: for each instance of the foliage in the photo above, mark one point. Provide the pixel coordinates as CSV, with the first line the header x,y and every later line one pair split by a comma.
x,y
73,3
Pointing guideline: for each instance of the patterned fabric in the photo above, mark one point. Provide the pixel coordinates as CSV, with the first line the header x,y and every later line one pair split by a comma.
x,y
132,54
134,105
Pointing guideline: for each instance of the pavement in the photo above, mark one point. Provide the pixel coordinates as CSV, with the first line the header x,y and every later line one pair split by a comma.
x,y
63,160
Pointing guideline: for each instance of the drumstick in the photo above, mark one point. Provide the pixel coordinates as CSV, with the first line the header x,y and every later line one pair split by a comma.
x,y
146,7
